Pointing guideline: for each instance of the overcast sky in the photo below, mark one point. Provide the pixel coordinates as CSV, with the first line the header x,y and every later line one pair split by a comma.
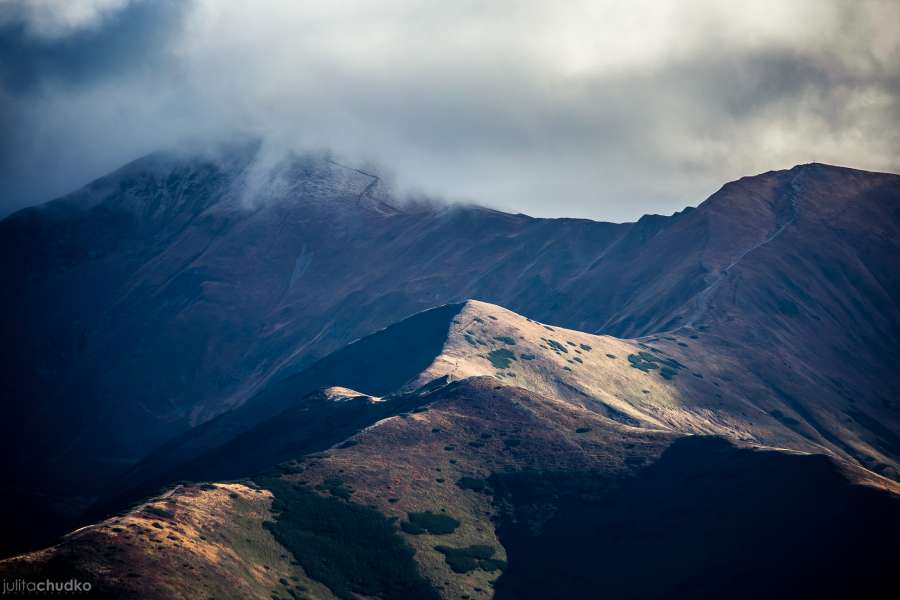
x,y
606,110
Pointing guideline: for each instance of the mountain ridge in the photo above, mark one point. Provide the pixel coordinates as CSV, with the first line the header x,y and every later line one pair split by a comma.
x,y
662,384
168,301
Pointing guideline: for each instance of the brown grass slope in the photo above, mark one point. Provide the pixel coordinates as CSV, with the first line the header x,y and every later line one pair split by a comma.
x,y
687,384
200,541
483,431
730,386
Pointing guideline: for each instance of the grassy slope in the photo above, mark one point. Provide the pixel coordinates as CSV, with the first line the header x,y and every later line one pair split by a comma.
x,y
411,463
472,431
537,409
479,429
204,541
715,391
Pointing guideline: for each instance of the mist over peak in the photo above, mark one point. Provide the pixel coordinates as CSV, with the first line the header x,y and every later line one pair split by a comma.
x,y
612,113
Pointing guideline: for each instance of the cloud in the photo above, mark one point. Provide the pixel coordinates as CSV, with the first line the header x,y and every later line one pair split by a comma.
x,y
84,42
585,108
52,19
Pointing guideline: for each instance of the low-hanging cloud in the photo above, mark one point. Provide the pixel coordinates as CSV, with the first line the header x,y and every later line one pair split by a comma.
x,y
597,109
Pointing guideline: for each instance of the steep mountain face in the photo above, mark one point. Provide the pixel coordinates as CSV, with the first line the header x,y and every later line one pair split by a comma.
x,y
180,287
812,308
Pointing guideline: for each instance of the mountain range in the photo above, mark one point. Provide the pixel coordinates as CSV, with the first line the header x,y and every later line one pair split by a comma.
x,y
212,359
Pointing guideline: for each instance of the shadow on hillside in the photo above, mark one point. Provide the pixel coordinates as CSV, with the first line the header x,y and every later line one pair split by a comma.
x,y
707,520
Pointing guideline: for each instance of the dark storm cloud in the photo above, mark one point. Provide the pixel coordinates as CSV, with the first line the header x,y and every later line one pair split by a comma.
x,y
44,152
587,108
136,37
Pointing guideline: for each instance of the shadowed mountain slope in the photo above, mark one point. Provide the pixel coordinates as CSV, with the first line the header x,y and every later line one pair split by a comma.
x,y
380,364
707,520
485,485
179,287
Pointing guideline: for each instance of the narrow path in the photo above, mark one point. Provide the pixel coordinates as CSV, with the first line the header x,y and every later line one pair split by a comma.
x,y
703,298
367,191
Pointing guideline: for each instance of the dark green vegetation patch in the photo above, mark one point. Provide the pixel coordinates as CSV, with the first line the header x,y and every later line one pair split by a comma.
x,y
638,363
505,339
473,483
585,347
418,523
527,356
557,346
645,361
352,549
463,560
336,488
501,358
159,512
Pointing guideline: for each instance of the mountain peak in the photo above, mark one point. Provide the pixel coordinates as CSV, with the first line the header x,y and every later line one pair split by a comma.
x,y
166,186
